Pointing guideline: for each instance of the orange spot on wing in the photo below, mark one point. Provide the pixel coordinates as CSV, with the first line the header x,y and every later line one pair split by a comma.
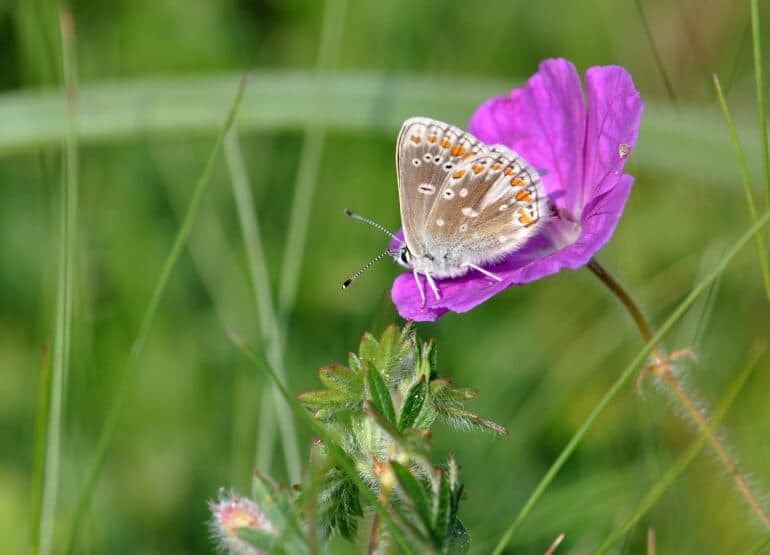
x,y
496,166
508,171
468,156
416,140
458,174
524,218
457,150
477,169
516,182
445,143
523,196
432,139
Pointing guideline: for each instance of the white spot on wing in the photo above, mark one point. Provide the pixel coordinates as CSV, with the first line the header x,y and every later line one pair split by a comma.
x,y
463,192
427,188
440,222
449,194
470,212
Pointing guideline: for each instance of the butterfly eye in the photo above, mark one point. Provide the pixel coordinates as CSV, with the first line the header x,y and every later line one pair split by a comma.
x,y
404,256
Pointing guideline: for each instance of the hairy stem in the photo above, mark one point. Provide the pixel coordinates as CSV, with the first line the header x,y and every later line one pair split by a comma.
x,y
661,368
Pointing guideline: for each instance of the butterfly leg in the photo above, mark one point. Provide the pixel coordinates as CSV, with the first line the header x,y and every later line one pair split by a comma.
x,y
433,286
483,271
419,286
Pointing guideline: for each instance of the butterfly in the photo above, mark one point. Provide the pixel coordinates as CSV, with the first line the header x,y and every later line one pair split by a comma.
x,y
464,205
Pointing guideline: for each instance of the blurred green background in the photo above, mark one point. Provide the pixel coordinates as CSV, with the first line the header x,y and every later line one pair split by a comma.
x,y
155,80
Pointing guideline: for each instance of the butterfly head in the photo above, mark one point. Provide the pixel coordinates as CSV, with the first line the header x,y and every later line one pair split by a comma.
x,y
403,256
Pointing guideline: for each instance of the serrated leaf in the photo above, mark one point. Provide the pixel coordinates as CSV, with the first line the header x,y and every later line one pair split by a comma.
x,y
340,505
259,539
379,394
415,399
367,349
341,379
415,492
464,419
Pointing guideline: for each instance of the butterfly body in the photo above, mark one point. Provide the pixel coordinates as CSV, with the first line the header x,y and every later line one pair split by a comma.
x,y
464,204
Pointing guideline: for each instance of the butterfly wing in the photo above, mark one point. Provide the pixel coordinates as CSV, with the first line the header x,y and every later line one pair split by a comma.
x,y
427,153
487,207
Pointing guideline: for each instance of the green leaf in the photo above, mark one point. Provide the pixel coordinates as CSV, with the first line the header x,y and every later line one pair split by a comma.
x,y
379,394
459,539
354,363
328,400
367,350
260,539
463,419
341,379
415,492
413,403
388,350
442,514
340,505
386,425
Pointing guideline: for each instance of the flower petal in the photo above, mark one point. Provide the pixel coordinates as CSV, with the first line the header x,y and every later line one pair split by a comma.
x,y
535,260
545,123
614,111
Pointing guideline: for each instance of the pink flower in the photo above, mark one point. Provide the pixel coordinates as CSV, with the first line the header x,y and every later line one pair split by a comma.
x,y
232,513
581,147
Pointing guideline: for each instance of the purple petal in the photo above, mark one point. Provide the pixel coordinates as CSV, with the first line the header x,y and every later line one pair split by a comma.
x,y
536,260
545,123
614,111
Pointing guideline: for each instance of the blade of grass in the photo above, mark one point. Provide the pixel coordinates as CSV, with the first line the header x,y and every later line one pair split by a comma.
x,y
665,481
309,165
687,141
746,184
304,189
755,34
41,434
63,326
655,54
334,450
577,437
268,322
132,365
757,548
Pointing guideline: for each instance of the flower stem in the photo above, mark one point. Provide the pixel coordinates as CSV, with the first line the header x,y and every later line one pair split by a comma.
x,y
661,368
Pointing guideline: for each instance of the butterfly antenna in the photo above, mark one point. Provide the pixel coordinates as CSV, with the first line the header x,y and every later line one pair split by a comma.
x,y
368,265
372,223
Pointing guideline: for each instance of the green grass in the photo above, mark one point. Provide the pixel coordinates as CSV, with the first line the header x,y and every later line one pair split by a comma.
x,y
317,126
